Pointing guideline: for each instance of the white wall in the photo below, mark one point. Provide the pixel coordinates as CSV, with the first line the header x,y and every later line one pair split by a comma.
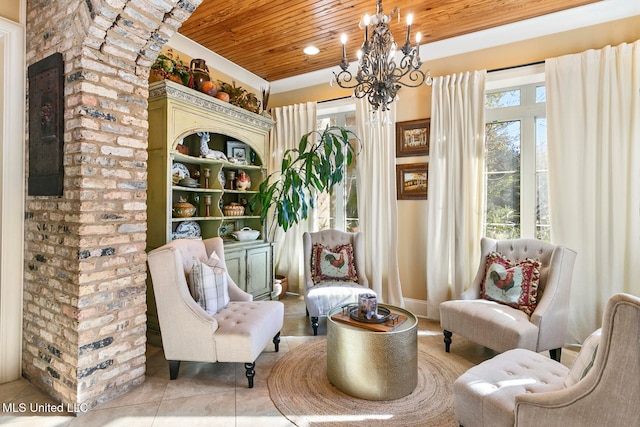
x,y
12,178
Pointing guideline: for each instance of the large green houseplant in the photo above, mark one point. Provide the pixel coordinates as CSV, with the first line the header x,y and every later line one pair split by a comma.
x,y
315,166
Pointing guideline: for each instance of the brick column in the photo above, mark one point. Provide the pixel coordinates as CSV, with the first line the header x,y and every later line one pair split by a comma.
x,y
85,263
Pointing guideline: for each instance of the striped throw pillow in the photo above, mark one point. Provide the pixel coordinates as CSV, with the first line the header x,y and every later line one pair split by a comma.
x,y
208,284
585,359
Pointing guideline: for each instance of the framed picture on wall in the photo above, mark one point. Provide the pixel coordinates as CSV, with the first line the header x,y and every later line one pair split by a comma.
x,y
412,138
411,181
46,126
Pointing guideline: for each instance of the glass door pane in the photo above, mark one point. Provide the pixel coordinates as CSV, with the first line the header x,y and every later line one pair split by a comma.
x,y
503,179
543,223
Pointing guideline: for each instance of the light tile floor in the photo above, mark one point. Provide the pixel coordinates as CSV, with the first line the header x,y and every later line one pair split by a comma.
x,y
205,394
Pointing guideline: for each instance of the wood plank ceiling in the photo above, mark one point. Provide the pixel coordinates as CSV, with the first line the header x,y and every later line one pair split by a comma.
x,y
267,37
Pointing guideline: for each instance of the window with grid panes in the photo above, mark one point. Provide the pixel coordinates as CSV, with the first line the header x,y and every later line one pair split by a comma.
x,y
516,191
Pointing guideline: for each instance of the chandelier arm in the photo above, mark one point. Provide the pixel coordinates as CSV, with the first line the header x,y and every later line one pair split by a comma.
x,y
416,76
344,79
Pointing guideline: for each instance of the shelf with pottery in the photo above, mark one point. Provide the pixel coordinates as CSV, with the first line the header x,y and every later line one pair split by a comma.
x,y
191,130
219,189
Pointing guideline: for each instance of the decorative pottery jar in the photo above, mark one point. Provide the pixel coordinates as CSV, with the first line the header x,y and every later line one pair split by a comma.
x,y
182,149
200,73
183,209
243,182
233,209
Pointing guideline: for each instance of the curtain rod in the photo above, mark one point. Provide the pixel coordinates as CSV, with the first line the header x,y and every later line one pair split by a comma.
x,y
334,99
515,66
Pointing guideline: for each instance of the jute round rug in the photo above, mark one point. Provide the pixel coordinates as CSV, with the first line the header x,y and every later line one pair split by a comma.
x,y
300,389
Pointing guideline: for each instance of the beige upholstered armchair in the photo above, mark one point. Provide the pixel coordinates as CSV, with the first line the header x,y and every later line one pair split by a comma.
x,y
527,389
239,332
333,270
502,327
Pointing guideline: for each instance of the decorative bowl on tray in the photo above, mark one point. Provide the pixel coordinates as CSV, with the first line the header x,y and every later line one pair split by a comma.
x,y
383,314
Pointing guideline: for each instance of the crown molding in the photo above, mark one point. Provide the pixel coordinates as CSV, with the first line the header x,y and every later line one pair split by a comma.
x,y
553,23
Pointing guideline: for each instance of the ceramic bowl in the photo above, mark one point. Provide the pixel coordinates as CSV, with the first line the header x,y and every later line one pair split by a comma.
x,y
183,210
188,182
246,234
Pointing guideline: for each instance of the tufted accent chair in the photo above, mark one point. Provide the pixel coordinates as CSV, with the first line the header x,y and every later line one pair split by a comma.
x,y
321,297
237,333
527,389
501,327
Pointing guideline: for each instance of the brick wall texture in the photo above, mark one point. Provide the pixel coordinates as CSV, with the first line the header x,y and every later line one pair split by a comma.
x,y
85,263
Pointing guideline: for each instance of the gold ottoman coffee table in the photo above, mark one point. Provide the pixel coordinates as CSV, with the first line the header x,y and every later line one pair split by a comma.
x,y
373,365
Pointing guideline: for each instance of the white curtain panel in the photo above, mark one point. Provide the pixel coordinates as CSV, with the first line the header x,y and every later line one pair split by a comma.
x,y
455,187
377,205
593,119
292,122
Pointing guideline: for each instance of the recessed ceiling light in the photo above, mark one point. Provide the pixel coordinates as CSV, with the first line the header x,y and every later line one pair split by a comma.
x,y
311,50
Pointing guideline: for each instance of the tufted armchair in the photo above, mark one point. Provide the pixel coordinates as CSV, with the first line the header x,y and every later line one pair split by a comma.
x,y
527,389
501,327
237,333
322,296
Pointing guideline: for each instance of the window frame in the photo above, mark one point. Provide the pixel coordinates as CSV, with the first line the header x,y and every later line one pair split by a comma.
x,y
526,79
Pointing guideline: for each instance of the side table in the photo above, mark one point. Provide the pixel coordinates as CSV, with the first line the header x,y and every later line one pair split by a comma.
x,y
373,365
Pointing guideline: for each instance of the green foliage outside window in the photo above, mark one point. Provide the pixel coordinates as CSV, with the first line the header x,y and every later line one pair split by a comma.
x,y
503,180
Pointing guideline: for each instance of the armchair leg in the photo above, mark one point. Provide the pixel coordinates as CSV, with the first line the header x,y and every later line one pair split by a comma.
x,y
314,325
250,372
276,341
447,340
555,354
174,367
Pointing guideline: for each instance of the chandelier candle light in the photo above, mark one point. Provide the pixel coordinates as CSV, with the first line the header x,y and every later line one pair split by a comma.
x,y
379,78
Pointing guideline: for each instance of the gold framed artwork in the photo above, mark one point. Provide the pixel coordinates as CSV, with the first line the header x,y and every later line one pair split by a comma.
x,y
412,138
411,181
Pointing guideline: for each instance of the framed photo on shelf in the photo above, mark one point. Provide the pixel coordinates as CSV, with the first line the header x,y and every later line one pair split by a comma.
x,y
412,138
238,150
411,181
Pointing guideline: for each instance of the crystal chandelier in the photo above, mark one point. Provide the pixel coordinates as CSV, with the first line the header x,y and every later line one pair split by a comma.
x,y
379,78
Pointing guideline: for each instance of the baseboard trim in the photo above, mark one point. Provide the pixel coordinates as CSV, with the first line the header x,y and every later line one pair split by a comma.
x,y
416,306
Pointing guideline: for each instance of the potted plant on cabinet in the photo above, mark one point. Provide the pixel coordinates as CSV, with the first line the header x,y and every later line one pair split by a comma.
x,y
316,165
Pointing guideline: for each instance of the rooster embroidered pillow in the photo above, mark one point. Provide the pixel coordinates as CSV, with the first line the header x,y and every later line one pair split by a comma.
x,y
333,264
512,283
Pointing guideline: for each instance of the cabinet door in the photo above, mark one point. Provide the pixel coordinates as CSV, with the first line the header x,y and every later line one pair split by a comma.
x,y
237,268
259,272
